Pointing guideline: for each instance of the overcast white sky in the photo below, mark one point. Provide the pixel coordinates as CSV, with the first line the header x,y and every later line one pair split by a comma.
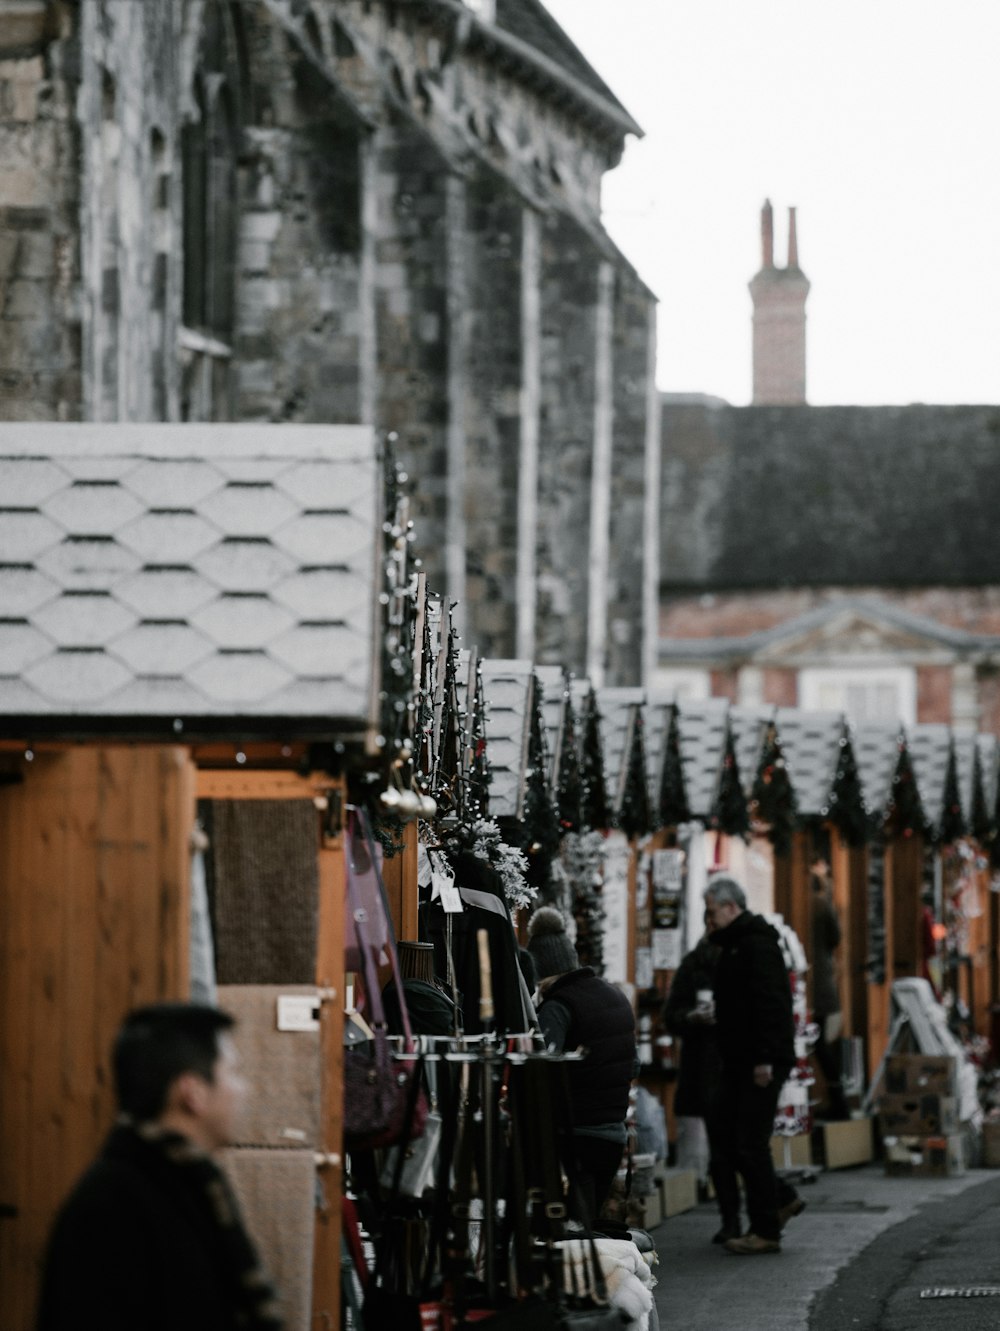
x,y
878,119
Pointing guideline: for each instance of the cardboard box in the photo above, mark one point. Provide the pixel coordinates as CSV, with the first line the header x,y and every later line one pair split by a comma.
x,y
840,1145
924,1157
918,1115
991,1143
678,1191
921,1074
791,1151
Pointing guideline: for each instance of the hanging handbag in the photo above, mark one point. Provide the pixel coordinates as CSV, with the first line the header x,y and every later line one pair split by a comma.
x,y
376,1085
420,1155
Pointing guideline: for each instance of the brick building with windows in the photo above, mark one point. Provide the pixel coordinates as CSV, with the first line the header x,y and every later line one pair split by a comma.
x,y
352,211
840,558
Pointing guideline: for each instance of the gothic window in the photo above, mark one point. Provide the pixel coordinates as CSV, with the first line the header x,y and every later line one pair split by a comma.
x,y
209,151
161,246
107,323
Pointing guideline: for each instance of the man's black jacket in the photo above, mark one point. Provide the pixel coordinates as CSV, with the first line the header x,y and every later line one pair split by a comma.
x,y
753,996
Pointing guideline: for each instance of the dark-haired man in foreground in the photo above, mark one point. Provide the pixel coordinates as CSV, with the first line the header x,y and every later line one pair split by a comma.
x,y
151,1238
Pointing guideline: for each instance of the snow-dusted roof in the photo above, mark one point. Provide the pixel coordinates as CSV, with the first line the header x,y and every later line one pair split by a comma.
x,y
876,748
929,747
617,707
203,575
810,742
507,686
702,729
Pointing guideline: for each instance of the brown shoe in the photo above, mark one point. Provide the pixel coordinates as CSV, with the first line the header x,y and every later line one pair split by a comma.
x,y
752,1245
790,1211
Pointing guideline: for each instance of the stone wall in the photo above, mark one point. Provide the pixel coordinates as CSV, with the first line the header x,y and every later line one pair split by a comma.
x,y
628,471
569,300
40,371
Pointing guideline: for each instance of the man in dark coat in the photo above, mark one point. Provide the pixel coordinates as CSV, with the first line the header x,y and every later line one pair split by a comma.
x,y
150,1239
577,1008
755,1029
690,1013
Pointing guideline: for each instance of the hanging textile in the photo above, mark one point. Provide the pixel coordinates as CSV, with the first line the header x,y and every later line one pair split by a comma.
x,y
266,889
203,987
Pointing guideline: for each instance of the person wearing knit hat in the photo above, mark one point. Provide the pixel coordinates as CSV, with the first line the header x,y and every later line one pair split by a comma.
x,y
577,1008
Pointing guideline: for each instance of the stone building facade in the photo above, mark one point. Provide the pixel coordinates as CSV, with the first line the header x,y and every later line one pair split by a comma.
x,y
351,211
839,558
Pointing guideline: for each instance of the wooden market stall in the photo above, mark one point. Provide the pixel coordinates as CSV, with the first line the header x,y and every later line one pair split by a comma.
x,y
191,633
888,927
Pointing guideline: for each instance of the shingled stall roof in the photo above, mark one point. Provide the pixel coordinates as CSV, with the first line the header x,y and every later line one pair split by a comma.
x,y
748,727
811,744
552,681
702,728
656,718
618,709
202,580
507,686
818,496
876,748
967,769
989,767
930,749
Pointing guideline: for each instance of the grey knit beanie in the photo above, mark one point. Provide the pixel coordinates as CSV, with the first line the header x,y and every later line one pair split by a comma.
x,y
549,943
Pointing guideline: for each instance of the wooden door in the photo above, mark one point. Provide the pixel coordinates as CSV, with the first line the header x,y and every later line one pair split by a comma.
x,y
328,794
94,920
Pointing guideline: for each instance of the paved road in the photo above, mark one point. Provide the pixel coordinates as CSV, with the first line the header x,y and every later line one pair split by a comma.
x,y
938,1271
855,1260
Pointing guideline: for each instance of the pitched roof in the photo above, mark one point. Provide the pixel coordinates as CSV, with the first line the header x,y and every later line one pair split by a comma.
x,y
865,610
989,766
656,718
967,770
748,726
553,684
205,579
810,743
617,707
819,496
929,746
702,731
530,22
876,748
507,686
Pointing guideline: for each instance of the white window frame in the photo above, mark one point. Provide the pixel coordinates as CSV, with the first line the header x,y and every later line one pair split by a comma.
x,y
683,683
817,682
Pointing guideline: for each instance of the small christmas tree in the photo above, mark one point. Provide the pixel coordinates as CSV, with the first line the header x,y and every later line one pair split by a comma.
x,y
773,799
730,814
905,813
595,801
569,794
952,819
673,801
539,821
847,809
634,819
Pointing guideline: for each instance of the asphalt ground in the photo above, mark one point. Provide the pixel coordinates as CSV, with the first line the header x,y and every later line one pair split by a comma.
x,y
858,1259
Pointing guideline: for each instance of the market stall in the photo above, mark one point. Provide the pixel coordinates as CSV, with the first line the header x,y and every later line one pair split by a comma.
x,y
191,692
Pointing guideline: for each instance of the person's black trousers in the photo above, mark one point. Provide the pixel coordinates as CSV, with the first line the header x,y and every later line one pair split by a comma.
x,y
597,1161
742,1122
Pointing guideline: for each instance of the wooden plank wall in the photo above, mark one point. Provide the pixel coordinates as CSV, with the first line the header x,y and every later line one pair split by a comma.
x,y
94,919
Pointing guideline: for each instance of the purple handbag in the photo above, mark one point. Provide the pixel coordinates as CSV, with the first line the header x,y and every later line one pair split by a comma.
x,y
376,1085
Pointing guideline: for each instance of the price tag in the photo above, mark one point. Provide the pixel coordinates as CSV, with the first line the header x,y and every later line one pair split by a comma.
x,y
443,885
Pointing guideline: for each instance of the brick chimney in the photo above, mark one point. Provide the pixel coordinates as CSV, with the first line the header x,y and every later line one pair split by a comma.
x,y
779,320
